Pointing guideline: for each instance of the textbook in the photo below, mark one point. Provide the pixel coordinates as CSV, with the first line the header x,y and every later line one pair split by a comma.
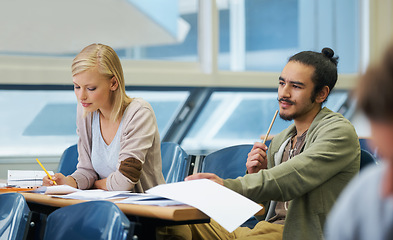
x,y
25,178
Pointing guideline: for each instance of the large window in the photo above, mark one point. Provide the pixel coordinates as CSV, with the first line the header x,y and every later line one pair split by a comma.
x,y
43,123
260,35
235,117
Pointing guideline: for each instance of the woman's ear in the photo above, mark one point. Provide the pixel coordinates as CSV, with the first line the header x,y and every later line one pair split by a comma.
x,y
114,84
323,94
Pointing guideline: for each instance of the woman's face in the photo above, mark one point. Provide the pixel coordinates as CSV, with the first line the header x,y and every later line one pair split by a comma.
x,y
93,90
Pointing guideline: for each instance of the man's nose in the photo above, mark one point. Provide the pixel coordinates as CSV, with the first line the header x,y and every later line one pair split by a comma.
x,y
284,92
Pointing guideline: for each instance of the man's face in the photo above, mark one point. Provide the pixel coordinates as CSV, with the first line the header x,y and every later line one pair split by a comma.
x,y
295,91
382,134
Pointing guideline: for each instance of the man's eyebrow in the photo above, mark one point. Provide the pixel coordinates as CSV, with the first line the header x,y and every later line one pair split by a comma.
x,y
292,82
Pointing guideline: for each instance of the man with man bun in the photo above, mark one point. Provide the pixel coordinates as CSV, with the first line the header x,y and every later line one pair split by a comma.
x,y
307,165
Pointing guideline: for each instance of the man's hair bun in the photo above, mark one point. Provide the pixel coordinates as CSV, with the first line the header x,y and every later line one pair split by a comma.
x,y
329,53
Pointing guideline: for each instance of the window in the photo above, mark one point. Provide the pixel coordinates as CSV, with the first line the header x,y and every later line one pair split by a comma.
x,y
43,122
260,35
235,117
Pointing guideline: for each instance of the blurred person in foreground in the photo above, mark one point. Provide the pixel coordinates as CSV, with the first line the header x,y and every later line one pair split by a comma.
x,y
365,208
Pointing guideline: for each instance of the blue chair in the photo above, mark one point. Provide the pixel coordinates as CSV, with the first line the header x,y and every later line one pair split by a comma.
x,y
228,162
174,162
68,160
14,214
366,158
89,220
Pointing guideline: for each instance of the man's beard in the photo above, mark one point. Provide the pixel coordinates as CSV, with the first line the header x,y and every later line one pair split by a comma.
x,y
287,117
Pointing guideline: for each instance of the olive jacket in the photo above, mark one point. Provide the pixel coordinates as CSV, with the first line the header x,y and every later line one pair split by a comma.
x,y
312,180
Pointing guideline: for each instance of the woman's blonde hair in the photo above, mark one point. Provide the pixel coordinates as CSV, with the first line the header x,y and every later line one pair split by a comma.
x,y
105,59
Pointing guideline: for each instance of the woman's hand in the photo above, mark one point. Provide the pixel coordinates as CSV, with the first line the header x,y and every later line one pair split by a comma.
x,y
100,184
60,179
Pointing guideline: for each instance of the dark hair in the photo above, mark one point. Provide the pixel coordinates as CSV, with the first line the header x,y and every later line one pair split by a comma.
x,y
375,89
325,65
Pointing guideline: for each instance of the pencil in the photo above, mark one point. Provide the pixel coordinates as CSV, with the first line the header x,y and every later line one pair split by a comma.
x,y
49,176
270,127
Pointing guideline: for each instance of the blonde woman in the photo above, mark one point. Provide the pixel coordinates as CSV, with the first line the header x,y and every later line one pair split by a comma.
x,y
119,143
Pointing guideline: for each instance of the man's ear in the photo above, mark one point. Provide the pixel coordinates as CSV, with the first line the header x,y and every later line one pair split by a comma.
x,y
114,83
323,94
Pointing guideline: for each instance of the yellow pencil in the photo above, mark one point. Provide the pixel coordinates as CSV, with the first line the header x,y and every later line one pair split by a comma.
x,y
270,127
49,176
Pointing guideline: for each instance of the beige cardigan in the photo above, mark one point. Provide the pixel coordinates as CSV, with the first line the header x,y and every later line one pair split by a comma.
x,y
139,139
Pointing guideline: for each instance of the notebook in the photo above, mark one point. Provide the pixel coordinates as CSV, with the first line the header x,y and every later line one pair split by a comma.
x,y
25,178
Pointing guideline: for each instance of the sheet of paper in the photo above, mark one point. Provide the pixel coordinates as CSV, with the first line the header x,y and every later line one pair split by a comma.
x,y
60,189
26,178
162,202
148,199
95,194
140,197
225,206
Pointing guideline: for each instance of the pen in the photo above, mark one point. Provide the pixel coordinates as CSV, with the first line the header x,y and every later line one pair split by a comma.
x,y
270,127
49,176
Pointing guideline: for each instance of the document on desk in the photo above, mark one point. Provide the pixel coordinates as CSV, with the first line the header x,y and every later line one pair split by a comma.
x,y
26,178
148,199
225,206
56,190
94,194
64,191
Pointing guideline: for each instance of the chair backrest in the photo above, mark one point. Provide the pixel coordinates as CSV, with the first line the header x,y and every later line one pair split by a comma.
x,y
366,158
228,162
68,160
14,213
174,162
89,220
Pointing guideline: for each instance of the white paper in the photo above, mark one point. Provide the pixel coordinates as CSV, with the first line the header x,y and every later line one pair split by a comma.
x,y
94,194
149,199
225,206
60,189
26,178
161,203
140,197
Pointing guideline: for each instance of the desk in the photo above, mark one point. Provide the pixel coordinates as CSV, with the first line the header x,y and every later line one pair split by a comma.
x,y
146,217
171,213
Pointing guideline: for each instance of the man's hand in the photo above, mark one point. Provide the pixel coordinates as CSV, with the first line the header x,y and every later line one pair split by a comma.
x,y
257,158
210,176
